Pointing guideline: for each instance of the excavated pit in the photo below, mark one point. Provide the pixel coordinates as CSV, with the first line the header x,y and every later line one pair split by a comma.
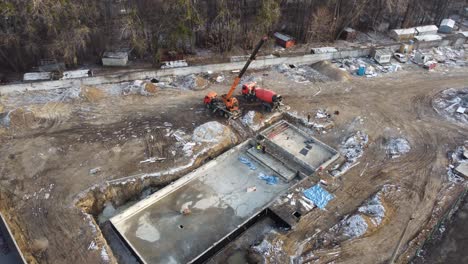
x,y
196,216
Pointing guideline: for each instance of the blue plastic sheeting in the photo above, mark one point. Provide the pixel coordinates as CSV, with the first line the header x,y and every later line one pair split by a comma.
x,y
247,162
319,196
271,180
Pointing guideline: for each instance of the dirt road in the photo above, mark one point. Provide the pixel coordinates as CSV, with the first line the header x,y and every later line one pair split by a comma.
x,y
46,162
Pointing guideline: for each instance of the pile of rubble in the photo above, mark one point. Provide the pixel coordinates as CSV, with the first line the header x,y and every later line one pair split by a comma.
x,y
396,147
368,217
320,122
458,166
448,56
301,74
352,149
372,68
146,87
453,104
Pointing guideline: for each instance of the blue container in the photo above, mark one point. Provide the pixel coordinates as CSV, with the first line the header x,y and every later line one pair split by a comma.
x,y
362,70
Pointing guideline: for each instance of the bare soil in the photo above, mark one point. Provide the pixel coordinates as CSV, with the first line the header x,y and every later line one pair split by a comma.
x,y
47,153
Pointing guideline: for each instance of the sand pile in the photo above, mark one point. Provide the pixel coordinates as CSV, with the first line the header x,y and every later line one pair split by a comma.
x,y
38,116
331,71
91,94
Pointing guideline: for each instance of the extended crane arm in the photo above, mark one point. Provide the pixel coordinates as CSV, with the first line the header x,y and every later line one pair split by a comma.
x,y
247,64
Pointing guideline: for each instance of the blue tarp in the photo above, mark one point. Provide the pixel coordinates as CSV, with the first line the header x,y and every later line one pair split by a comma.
x,y
271,180
319,196
247,162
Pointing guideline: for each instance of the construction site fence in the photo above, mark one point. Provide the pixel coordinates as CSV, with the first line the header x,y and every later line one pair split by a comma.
x,y
306,58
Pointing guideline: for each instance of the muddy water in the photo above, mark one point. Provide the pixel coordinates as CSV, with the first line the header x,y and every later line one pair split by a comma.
x,y
453,244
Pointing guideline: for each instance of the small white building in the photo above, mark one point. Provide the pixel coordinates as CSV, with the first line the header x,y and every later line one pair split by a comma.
x,y
421,57
403,34
115,58
382,56
446,26
427,30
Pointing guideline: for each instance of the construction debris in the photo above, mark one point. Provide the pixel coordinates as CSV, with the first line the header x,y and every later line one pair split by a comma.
x,y
174,64
95,170
369,216
450,103
151,160
458,167
139,87
252,189
301,74
396,147
191,82
352,149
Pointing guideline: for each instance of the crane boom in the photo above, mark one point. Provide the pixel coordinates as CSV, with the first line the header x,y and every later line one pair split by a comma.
x,y
247,64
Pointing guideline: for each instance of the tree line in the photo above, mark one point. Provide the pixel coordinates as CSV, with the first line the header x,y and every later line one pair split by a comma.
x,y
75,31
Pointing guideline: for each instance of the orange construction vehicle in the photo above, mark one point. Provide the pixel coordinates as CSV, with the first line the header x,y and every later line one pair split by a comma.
x,y
228,105
270,100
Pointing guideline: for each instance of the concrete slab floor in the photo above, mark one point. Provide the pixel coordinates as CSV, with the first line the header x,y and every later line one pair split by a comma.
x,y
303,147
217,197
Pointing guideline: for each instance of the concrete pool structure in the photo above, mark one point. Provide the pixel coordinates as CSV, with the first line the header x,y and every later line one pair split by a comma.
x,y
186,220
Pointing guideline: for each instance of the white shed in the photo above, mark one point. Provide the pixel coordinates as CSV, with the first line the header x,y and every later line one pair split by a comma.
x,y
421,57
446,26
382,56
115,58
427,30
403,34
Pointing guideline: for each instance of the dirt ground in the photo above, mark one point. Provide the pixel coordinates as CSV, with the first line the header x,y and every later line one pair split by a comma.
x,y
47,153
